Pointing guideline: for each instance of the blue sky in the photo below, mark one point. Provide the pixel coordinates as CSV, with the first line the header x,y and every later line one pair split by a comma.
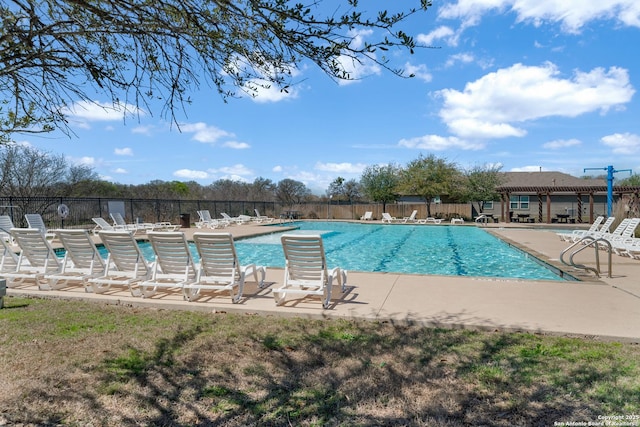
x,y
526,84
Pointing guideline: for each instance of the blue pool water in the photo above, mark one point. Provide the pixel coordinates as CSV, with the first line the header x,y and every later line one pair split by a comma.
x,y
419,249
409,249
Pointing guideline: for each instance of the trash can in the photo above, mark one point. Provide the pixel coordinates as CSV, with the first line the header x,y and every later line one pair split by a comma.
x,y
185,220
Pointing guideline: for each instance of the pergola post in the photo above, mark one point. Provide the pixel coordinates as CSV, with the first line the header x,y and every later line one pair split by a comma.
x,y
579,208
548,208
539,207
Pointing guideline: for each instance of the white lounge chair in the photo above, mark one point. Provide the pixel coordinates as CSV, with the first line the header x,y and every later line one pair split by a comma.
x,y
207,222
627,235
388,218
82,260
576,235
455,221
125,266
219,268
368,215
306,270
174,266
230,219
103,225
37,258
9,260
120,224
6,224
36,221
410,218
430,220
262,218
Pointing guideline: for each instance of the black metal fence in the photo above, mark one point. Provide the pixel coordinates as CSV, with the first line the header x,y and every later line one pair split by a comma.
x,y
81,210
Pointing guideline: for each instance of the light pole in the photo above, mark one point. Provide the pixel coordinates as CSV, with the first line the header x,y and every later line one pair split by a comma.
x,y
329,207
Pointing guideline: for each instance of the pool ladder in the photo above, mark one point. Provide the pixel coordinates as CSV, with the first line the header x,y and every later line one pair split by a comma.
x,y
584,243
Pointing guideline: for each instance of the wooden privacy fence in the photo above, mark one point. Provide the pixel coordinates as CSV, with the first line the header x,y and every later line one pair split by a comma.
x,y
81,210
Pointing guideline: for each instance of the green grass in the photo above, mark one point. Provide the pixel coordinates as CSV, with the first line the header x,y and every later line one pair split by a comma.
x,y
75,363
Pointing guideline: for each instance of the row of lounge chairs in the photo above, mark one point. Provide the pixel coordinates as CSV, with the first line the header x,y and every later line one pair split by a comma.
x,y
206,221
174,268
621,240
387,218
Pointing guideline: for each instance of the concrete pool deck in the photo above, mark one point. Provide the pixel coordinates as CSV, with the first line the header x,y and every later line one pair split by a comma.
x,y
605,308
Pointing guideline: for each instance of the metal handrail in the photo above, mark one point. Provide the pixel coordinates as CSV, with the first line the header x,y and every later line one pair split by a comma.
x,y
583,245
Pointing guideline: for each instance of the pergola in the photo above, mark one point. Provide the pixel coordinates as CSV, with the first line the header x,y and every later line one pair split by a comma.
x,y
544,194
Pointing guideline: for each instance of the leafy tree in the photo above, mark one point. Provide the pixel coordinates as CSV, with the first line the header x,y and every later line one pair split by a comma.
x,y
429,177
481,183
336,188
632,181
57,52
262,189
290,192
379,183
351,190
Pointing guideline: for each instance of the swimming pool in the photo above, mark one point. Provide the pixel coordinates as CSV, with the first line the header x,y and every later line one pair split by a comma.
x,y
406,249
410,249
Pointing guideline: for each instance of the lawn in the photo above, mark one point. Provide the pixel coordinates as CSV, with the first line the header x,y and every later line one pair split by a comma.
x,y
74,363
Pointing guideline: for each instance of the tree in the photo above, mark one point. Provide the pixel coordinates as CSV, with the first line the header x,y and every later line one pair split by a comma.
x,y
379,183
27,173
632,181
351,190
481,183
336,188
290,192
57,52
429,177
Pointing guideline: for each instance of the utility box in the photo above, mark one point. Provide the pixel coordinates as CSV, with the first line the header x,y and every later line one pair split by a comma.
x,y
3,291
185,220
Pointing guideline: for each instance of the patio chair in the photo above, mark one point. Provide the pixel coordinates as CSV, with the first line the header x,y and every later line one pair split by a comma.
x,y
174,266
368,215
37,258
6,224
262,218
306,270
219,268
103,225
576,235
410,218
9,260
82,260
388,218
230,219
126,266
120,224
208,222
430,220
36,221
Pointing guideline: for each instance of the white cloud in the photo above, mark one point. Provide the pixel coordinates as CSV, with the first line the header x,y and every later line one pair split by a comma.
x,y
561,143
419,71
88,111
264,91
527,169
439,143
464,58
493,105
142,130
205,133
86,161
341,168
123,151
623,143
235,170
236,145
572,15
120,171
277,168
441,33
190,174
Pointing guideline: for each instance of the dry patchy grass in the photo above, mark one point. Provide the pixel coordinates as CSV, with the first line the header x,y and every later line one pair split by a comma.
x,y
73,363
